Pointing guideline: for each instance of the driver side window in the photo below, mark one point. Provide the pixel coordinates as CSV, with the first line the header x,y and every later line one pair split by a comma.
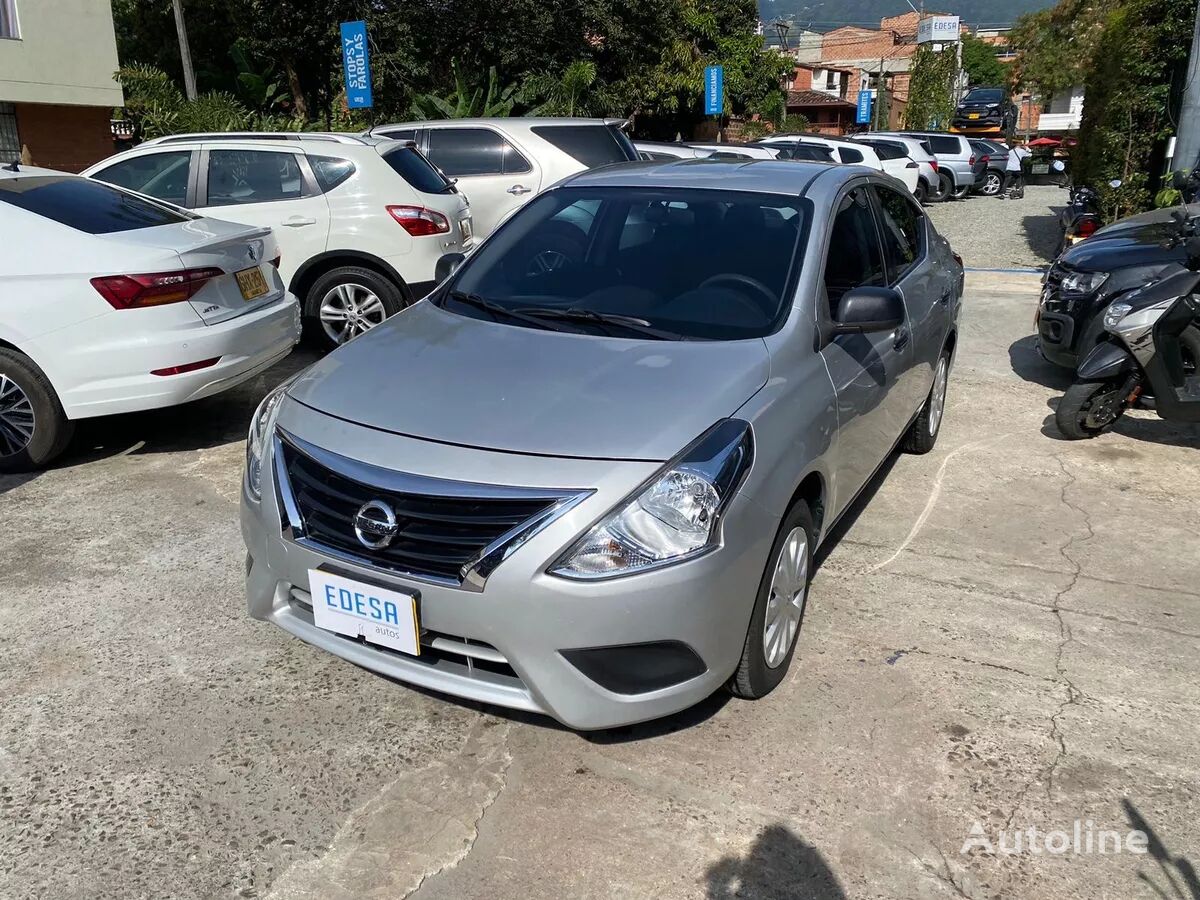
x,y
854,258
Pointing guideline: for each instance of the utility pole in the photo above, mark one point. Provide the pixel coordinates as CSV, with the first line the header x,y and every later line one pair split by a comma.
x,y
878,94
185,52
1187,141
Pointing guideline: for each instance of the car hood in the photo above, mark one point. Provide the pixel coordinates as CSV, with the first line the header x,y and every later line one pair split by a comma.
x,y
432,374
1136,241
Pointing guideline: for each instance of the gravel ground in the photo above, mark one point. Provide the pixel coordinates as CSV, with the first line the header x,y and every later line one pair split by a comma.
x,y
1009,234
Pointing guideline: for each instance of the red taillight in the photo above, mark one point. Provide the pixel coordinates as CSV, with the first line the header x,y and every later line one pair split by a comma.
x,y
277,260
933,163
153,288
1086,227
971,161
984,158
419,221
186,367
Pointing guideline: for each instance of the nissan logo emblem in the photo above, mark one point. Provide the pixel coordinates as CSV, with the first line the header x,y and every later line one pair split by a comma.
x,y
375,525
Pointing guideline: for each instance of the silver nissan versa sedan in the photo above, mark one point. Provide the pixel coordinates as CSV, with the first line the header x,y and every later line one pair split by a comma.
x,y
587,474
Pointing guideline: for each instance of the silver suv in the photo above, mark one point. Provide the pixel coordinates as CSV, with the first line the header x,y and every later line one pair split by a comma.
x,y
959,170
595,491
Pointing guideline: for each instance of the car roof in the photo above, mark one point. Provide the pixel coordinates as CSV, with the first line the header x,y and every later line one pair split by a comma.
x,y
6,171
508,121
273,137
768,176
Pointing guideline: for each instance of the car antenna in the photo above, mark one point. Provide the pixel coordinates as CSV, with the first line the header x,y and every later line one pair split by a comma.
x,y
13,166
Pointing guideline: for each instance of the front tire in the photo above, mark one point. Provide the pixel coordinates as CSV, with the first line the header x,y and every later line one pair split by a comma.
x,y
778,608
1088,409
347,301
34,430
923,433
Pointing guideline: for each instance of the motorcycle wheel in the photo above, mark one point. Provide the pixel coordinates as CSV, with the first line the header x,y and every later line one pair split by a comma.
x,y
1088,409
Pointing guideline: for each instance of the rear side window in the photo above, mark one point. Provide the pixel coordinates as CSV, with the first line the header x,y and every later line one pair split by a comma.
x,y
409,164
85,205
592,145
850,155
401,134
888,150
945,144
900,226
330,171
252,176
807,151
474,151
161,175
854,259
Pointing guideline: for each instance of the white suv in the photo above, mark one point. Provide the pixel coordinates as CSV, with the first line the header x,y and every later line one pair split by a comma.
x,y
361,221
501,163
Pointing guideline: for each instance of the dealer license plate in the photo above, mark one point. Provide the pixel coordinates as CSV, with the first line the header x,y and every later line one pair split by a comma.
x,y
378,615
252,283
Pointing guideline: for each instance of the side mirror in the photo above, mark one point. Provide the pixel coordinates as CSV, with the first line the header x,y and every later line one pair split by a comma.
x,y
867,309
447,265
1179,180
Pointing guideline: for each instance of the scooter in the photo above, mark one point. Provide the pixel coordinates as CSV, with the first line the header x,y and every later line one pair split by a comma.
x,y
1142,364
1080,218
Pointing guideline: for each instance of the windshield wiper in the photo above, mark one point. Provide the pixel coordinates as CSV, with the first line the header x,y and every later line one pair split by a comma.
x,y
496,310
576,314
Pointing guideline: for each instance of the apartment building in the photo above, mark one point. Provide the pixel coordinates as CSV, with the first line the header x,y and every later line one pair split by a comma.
x,y
57,59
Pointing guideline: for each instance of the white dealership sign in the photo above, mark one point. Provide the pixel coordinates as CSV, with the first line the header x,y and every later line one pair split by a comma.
x,y
937,29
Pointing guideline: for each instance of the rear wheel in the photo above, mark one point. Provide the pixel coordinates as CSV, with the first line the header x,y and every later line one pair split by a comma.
x,y
1089,408
960,193
33,427
991,184
345,302
778,608
923,433
922,192
945,186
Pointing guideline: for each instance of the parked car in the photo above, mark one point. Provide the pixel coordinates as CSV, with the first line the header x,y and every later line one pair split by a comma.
x,y
844,151
662,150
360,222
596,492
986,110
115,302
801,151
994,158
928,188
958,165
752,150
502,163
1089,276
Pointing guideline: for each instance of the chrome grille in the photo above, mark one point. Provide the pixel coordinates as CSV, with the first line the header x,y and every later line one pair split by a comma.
x,y
445,529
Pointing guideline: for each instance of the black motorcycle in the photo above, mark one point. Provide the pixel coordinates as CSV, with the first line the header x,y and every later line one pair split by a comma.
x,y
1080,218
1143,364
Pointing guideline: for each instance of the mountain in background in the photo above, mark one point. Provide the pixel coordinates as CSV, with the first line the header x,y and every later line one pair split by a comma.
x,y
826,15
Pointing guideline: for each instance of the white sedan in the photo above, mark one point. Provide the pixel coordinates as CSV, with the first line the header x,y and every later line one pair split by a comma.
x,y
114,302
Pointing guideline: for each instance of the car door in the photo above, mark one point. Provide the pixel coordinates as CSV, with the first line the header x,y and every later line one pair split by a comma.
x,y
866,369
271,187
496,177
164,174
927,289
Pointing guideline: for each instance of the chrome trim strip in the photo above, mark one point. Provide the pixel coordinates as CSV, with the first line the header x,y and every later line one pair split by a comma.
x,y
474,575
474,651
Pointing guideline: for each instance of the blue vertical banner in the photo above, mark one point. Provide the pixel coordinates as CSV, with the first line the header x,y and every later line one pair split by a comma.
x,y
866,101
714,90
357,60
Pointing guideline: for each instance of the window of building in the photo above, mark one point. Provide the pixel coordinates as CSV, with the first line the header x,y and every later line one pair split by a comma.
x,y
9,27
10,141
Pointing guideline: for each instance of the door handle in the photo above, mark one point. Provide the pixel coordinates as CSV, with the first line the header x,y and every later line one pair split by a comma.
x,y
518,189
298,221
900,341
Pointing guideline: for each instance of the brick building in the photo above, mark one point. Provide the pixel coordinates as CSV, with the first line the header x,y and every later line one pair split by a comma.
x,y
57,59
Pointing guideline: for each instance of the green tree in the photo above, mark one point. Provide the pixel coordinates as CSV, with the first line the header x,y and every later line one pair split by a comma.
x,y
930,89
980,63
467,101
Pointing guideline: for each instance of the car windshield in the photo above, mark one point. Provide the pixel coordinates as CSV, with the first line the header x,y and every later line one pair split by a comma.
x,y
690,264
989,95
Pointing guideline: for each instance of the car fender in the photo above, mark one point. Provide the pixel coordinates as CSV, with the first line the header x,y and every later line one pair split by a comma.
x,y
1106,360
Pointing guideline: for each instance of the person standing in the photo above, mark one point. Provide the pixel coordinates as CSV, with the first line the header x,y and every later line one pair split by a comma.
x,y
1013,169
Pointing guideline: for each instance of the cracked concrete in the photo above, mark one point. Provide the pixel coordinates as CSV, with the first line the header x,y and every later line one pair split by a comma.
x,y
1005,635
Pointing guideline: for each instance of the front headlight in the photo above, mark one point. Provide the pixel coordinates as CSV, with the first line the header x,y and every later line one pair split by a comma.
x,y
673,517
1115,313
256,440
1083,282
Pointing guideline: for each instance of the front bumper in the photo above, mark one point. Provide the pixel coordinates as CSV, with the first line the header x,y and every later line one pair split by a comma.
x,y
505,644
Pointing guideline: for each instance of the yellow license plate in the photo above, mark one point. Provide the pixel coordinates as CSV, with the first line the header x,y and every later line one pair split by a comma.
x,y
252,283
972,115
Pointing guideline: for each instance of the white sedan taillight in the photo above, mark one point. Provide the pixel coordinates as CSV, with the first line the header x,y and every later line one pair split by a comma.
x,y
153,288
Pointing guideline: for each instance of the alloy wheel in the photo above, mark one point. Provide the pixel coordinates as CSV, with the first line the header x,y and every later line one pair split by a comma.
x,y
16,417
991,184
937,398
785,605
349,309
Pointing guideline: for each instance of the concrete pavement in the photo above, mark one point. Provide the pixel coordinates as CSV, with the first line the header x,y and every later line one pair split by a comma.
x,y
1005,633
